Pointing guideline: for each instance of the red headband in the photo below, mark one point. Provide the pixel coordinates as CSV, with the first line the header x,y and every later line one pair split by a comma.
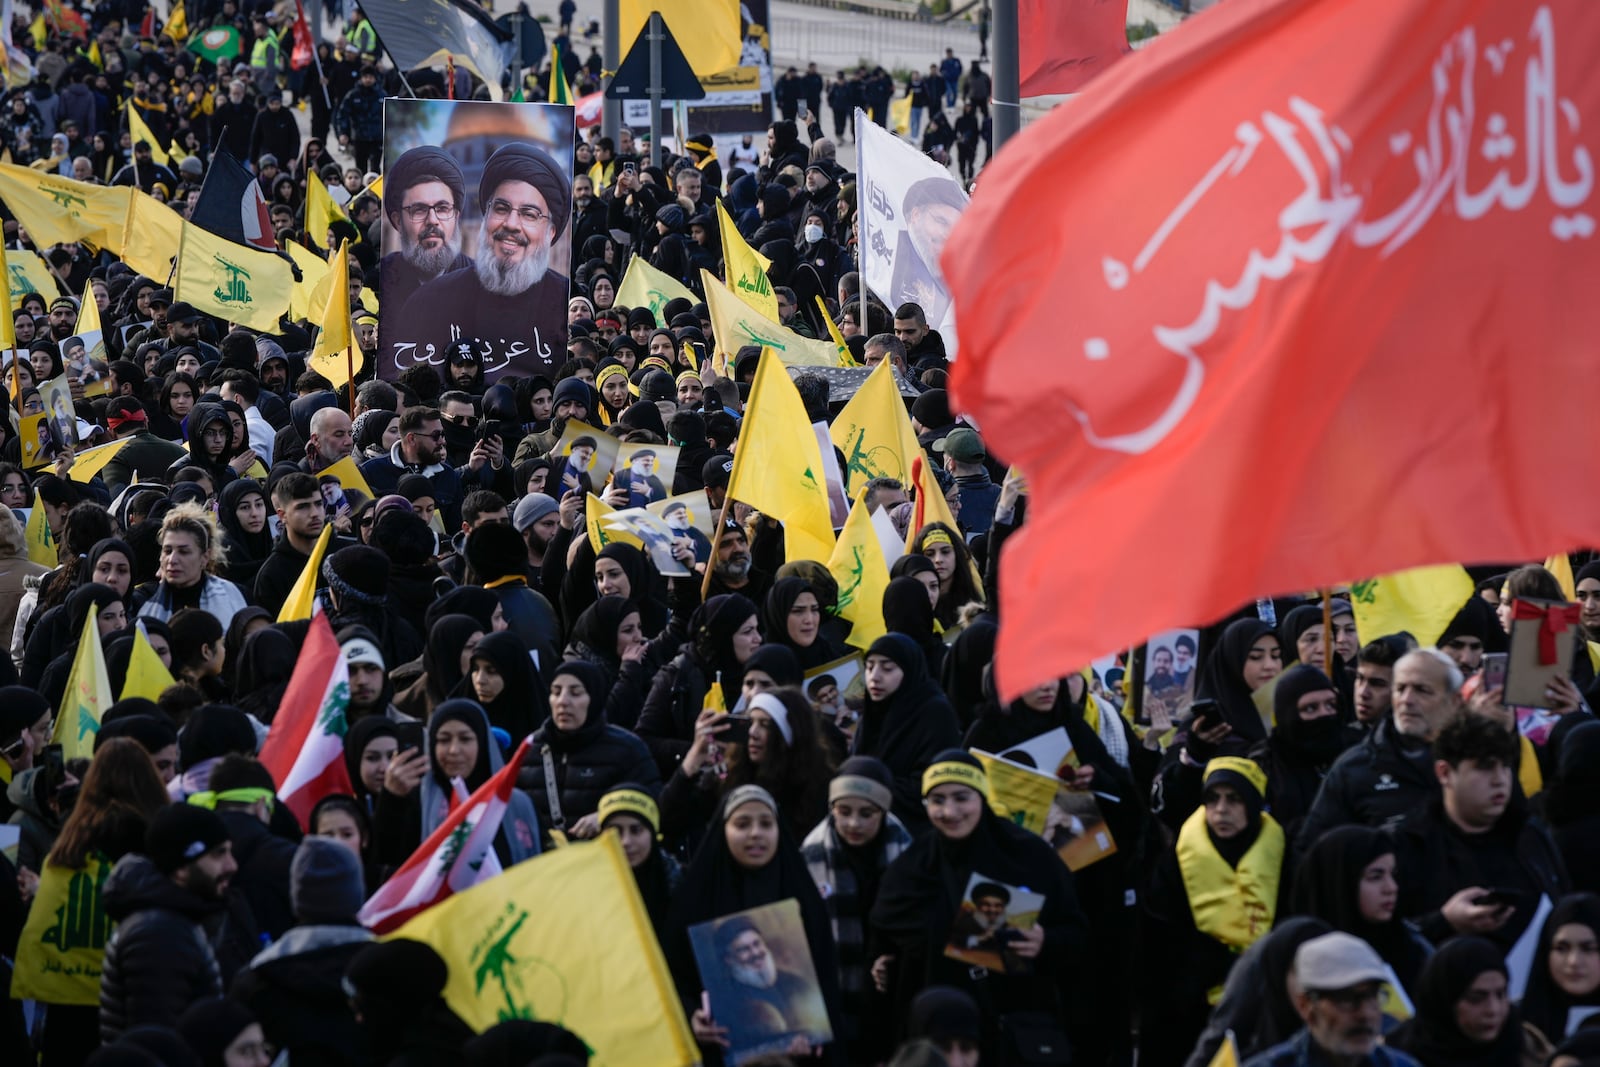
x,y
116,421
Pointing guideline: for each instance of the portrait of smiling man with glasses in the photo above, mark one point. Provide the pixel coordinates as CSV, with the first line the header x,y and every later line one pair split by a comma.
x,y
510,298
423,200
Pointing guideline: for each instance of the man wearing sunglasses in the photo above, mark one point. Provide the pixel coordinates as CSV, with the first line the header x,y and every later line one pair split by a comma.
x,y
512,296
421,450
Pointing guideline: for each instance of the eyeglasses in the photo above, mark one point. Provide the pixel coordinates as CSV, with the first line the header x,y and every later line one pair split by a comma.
x,y
501,210
463,420
443,211
437,435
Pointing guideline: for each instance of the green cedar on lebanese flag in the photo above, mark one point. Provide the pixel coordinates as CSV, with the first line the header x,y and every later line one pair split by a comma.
x,y
217,44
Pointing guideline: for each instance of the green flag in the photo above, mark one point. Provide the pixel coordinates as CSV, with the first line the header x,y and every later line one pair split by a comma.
x,y
218,44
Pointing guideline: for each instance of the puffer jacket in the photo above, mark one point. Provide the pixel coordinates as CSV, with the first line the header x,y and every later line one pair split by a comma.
x,y
360,114
587,762
159,960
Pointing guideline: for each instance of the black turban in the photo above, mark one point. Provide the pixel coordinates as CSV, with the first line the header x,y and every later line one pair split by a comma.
x,y
423,164
522,162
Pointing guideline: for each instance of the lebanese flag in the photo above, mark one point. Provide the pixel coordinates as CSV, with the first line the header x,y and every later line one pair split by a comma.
x,y
458,855
304,750
589,109
1064,43
1300,295
300,56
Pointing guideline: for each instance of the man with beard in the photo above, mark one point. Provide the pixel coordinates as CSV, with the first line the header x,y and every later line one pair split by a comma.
x,y
160,960
510,298
571,399
762,1006
588,212
733,572
639,479
537,519
984,928
422,197
931,208
63,317
676,516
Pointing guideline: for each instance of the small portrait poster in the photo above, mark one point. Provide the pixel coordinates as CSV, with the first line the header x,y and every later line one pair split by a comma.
x,y
1171,667
993,916
1076,828
645,471
838,690
659,540
588,451
760,981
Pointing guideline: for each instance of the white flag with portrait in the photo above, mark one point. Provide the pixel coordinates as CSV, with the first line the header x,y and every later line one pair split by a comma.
x,y
908,204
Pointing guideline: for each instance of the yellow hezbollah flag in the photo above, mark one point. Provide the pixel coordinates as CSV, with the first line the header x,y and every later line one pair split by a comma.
x,y
147,676
177,26
595,514
1018,793
320,209
57,210
232,282
88,694
152,236
562,938
706,30
777,465
63,943
8,329
313,271
874,432
1420,601
746,269
935,508
329,357
857,565
349,476
27,273
737,324
303,597
900,115
645,287
1560,565
140,132
42,547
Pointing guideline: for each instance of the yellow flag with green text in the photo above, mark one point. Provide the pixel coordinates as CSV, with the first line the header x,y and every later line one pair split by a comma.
x,y
594,514
746,269
777,464
857,565
303,597
645,287
232,282
1420,601
874,432
26,273
63,944
845,358
321,209
151,237
8,330
88,694
737,324
56,210
328,358
147,676
141,132
562,938
1560,565
1017,793
42,546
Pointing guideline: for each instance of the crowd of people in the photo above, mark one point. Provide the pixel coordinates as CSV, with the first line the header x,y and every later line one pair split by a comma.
x,y
1342,852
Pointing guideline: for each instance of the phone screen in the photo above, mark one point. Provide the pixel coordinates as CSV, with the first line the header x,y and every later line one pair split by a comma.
x,y
1494,670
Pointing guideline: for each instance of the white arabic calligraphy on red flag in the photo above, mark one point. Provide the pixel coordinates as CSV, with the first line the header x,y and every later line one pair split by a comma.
x,y
1316,281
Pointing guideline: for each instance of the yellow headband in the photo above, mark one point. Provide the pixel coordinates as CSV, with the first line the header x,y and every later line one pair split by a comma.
x,y
687,375
936,537
952,772
1248,769
656,362
210,800
631,802
608,372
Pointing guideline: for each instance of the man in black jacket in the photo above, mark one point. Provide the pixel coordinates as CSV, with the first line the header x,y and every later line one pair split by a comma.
x,y
1473,861
298,500
1390,773
243,794
160,959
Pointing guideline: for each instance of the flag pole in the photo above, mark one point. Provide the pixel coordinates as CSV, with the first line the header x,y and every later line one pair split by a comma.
x,y
1327,630
350,385
716,542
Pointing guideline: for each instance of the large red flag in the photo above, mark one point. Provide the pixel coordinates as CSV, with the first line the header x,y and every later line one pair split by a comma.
x,y
1064,43
300,56
1303,294
304,750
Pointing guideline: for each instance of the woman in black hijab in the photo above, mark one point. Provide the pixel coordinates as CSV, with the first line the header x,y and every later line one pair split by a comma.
x,y
1248,656
617,570
1566,966
749,862
242,511
966,666
610,634
1464,1017
793,617
110,611
907,610
905,721
502,680
265,663
1308,736
722,636
1347,880
451,641
631,811
1571,798
369,745
923,891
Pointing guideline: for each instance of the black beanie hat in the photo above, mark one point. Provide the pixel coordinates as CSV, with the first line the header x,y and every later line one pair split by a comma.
x,y
402,974
494,551
716,470
943,1012
932,409
153,734
182,833
20,708
216,730
325,882
211,1025
358,574
570,389
658,385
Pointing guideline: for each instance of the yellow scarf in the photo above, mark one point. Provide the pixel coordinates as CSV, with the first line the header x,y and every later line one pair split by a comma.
x,y
1233,905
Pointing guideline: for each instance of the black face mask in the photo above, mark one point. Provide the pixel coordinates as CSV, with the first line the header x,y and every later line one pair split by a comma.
x,y
1319,741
